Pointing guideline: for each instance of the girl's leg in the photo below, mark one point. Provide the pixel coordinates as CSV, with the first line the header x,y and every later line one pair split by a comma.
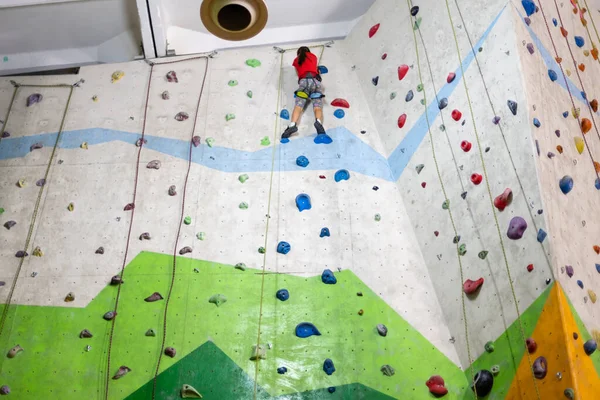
x,y
296,113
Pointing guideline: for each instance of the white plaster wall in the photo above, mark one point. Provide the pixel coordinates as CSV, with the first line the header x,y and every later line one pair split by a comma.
x,y
493,310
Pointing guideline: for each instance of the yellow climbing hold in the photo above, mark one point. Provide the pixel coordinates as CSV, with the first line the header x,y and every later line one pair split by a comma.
x,y
37,252
576,112
116,76
71,207
84,145
592,295
568,71
579,144
586,53
22,183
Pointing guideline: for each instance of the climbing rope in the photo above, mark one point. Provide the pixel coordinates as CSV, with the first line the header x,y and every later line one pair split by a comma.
x,y
439,174
40,191
10,105
593,24
512,161
487,183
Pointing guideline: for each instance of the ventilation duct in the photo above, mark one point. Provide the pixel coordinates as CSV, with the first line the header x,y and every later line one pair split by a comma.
x,y
234,19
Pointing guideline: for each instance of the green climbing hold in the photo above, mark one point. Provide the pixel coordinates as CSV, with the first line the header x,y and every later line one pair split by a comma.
x,y
377,217
253,62
446,204
489,347
249,93
265,141
232,82
229,116
217,299
243,205
495,370
462,249
150,332
187,220
201,235
569,393
392,95
262,250
420,87
240,266
188,392
1,210
417,23
422,102
243,178
483,254
210,141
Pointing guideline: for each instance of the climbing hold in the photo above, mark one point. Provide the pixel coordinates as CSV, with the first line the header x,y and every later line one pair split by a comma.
x,y
21,254
85,334
303,202
232,82
196,141
282,294
503,200
140,141
324,232
153,297
529,7
187,220
116,76
4,390
375,80
172,77
240,266
217,299
374,30
531,345
530,268
339,113
456,239
417,23
154,164
392,95
495,370
483,254
265,141
569,393
377,217
188,392
84,145
328,366
579,144
419,168
387,370
579,41
401,121
35,146
590,347
536,123
414,10
283,247
170,351
451,77
496,120
230,116
253,62
321,138
409,96
165,95
258,353
342,175
12,353
243,205
586,125
181,116
37,252
382,330
70,297
285,114
594,105
9,224
592,295
402,71
243,178
552,74
361,312
322,69
456,115
512,106
565,114
116,280
531,50
581,67
185,250
210,141
516,228
281,370
109,315
563,31
576,112
566,184
328,278
580,284
262,250
554,21
465,146
145,236
40,182
470,287
527,20
446,204
540,367
340,103
71,207
489,347
483,382
123,370
476,179
384,56
436,386
569,270
443,103
306,329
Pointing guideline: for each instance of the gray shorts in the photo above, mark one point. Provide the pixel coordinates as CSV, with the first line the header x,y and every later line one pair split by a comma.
x,y
309,86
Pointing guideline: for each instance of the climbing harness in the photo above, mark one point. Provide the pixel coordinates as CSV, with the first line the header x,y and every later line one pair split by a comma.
x,y
305,92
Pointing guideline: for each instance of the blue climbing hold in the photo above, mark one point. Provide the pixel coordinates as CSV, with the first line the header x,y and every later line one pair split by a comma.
x,y
579,41
597,184
341,175
285,140
590,347
566,184
323,138
325,232
580,284
583,95
285,114
339,113
323,69
328,278
554,21
565,114
529,7
283,247
537,123
541,235
282,294
303,202
598,268
302,161
328,366
281,370
552,74
306,329
375,80
331,389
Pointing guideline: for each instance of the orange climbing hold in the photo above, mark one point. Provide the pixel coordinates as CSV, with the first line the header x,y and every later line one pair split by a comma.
x,y
583,22
595,53
558,59
586,125
559,148
594,105
597,166
563,31
597,249
581,67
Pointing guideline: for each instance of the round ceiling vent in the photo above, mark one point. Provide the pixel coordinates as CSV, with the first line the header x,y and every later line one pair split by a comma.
x,y
234,19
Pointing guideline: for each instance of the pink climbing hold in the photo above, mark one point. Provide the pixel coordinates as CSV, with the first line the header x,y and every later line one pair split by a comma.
x,y
402,71
436,386
436,233
470,287
423,184
450,77
456,115
503,200
340,103
401,121
373,30
384,56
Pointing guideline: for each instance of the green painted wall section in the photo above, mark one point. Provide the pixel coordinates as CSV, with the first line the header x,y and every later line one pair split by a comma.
x,y
55,363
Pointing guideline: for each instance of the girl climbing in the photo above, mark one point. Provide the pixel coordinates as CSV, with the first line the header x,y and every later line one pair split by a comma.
x,y
309,87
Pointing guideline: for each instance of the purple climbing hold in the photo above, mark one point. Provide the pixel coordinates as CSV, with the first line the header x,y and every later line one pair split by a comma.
x,y
512,106
21,254
34,98
557,133
35,146
40,182
4,390
196,141
569,270
540,367
5,134
375,80
496,120
181,116
527,21
530,48
516,228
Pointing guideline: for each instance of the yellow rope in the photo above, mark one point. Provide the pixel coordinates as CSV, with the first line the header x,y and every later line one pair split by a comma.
x,y
437,168
487,183
593,24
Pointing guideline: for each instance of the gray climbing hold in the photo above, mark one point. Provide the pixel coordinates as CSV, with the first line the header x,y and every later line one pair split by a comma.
x,y
217,299
443,103
153,297
150,333
388,370
170,352
9,224
145,236
34,98
12,353
392,95
85,334
188,392
109,316
154,164
240,266
258,353
123,370
35,146
185,250
419,168
165,95
181,116
409,96
483,254
116,280
512,106
382,330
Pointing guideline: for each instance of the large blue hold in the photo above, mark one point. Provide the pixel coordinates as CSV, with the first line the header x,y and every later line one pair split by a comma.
x,y
324,232
341,175
281,370
331,389
283,247
303,202
529,7
590,347
328,366
339,113
552,74
541,235
306,329
566,184
282,294
323,138
598,268
328,278
579,41
302,161
323,69
285,114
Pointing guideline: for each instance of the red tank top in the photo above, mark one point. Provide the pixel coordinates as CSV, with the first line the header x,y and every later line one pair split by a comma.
x,y
309,65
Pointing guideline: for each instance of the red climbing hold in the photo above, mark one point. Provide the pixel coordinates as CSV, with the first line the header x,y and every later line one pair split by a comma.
x,y
402,71
470,287
322,176
476,179
531,345
586,125
340,103
450,77
456,115
530,267
384,56
401,121
503,200
465,146
436,386
423,184
436,233
563,31
373,30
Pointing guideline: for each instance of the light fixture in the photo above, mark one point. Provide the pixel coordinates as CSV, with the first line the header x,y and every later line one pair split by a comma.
x,y
234,19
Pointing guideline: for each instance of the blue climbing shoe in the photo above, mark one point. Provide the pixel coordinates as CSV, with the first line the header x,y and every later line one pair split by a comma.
x,y
319,128
289,131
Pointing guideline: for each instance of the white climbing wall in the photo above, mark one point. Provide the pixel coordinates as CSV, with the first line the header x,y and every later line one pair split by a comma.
x,y
493,309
